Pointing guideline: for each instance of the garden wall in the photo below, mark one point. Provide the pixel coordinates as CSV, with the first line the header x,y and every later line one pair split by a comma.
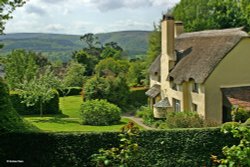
x,y
179,148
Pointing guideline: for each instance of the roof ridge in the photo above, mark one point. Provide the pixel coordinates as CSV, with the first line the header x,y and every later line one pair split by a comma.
x,y
215,33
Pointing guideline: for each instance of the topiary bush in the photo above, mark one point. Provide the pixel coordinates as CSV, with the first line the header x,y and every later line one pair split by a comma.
x,y
100,112
184,120
9,119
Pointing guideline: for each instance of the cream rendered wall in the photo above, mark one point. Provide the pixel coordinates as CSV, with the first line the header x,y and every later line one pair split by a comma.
x,y
154,80
232,71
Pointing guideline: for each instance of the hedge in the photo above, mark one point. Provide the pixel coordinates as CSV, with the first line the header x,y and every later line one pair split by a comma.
x,y
51,107
71,91
179,148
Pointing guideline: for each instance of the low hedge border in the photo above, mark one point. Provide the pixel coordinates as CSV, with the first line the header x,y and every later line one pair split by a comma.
x,y
179,148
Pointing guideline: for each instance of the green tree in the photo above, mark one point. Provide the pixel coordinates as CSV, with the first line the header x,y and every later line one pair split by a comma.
x,y
136,75
113,89
74,75
39,89
110,66
154,46
213,14
90,39
111,49
86,59
6,8
20,66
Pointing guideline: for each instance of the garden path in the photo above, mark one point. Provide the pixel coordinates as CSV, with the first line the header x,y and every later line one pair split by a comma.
x,y
139,121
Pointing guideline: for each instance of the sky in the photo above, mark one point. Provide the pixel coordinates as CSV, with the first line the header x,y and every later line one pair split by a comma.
x,y
87,16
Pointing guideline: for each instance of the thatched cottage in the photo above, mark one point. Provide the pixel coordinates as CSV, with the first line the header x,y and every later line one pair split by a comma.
x,y
207,72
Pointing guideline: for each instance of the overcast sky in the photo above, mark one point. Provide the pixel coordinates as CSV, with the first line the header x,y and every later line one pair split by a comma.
x,y
85,16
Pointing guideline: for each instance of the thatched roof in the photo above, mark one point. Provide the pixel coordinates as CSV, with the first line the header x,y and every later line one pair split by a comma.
x,y
154,91
203,51
238,96
164,103
155,66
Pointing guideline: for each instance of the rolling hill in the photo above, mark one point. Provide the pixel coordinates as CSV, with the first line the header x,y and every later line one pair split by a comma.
x,y
59,46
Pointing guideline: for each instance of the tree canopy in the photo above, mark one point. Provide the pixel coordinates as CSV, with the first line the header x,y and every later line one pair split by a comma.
x,y
213,14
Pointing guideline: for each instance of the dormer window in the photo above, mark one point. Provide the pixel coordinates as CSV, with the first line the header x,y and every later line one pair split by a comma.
x,y
195,87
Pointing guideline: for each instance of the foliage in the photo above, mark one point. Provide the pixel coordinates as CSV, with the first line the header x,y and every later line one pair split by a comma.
x,y
240,114
213,14
20,67
184,120
119,156
75,75
110,66
113,89
49,107
39,89
136,75
85,59
146,113
70,91
111,49
6,8
9,119
137,96
168,148
100,112
236,155
90,39
154,46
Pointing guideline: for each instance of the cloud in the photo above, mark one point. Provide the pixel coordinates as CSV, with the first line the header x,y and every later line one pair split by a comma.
x,y
107,5
54,1
129,25
54,28
31,9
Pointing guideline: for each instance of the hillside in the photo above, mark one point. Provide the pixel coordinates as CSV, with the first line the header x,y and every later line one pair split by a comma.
x,y
59,46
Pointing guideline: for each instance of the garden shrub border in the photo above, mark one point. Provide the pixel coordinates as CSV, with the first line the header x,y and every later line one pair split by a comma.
x,y
180,147
50,107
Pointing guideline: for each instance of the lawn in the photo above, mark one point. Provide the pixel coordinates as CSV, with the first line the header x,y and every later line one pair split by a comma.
x,y
70,120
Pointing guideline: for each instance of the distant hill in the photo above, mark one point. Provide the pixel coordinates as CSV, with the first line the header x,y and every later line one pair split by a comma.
x,y
59,46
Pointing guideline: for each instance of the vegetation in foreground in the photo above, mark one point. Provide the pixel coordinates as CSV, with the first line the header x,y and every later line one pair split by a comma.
x,y
70,120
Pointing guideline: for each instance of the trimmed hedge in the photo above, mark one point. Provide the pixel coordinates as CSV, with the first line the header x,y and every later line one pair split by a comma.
x,y
71,91
51,107
179,148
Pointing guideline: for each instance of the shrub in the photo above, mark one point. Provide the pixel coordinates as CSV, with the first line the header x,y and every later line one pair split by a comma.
x,y
100,112
236,155
50,107
9,119
146,114
240,115
113,89
184,120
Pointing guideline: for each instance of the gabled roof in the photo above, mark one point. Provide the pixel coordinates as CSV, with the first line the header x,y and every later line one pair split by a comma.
x,y
205,50
154,91
164,103
155,66
238,96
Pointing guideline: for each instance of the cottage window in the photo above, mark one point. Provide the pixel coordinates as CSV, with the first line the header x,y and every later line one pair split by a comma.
x,y
195,87
194,107
177,105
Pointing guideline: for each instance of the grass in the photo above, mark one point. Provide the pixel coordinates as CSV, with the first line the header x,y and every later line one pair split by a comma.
x,y
69,120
